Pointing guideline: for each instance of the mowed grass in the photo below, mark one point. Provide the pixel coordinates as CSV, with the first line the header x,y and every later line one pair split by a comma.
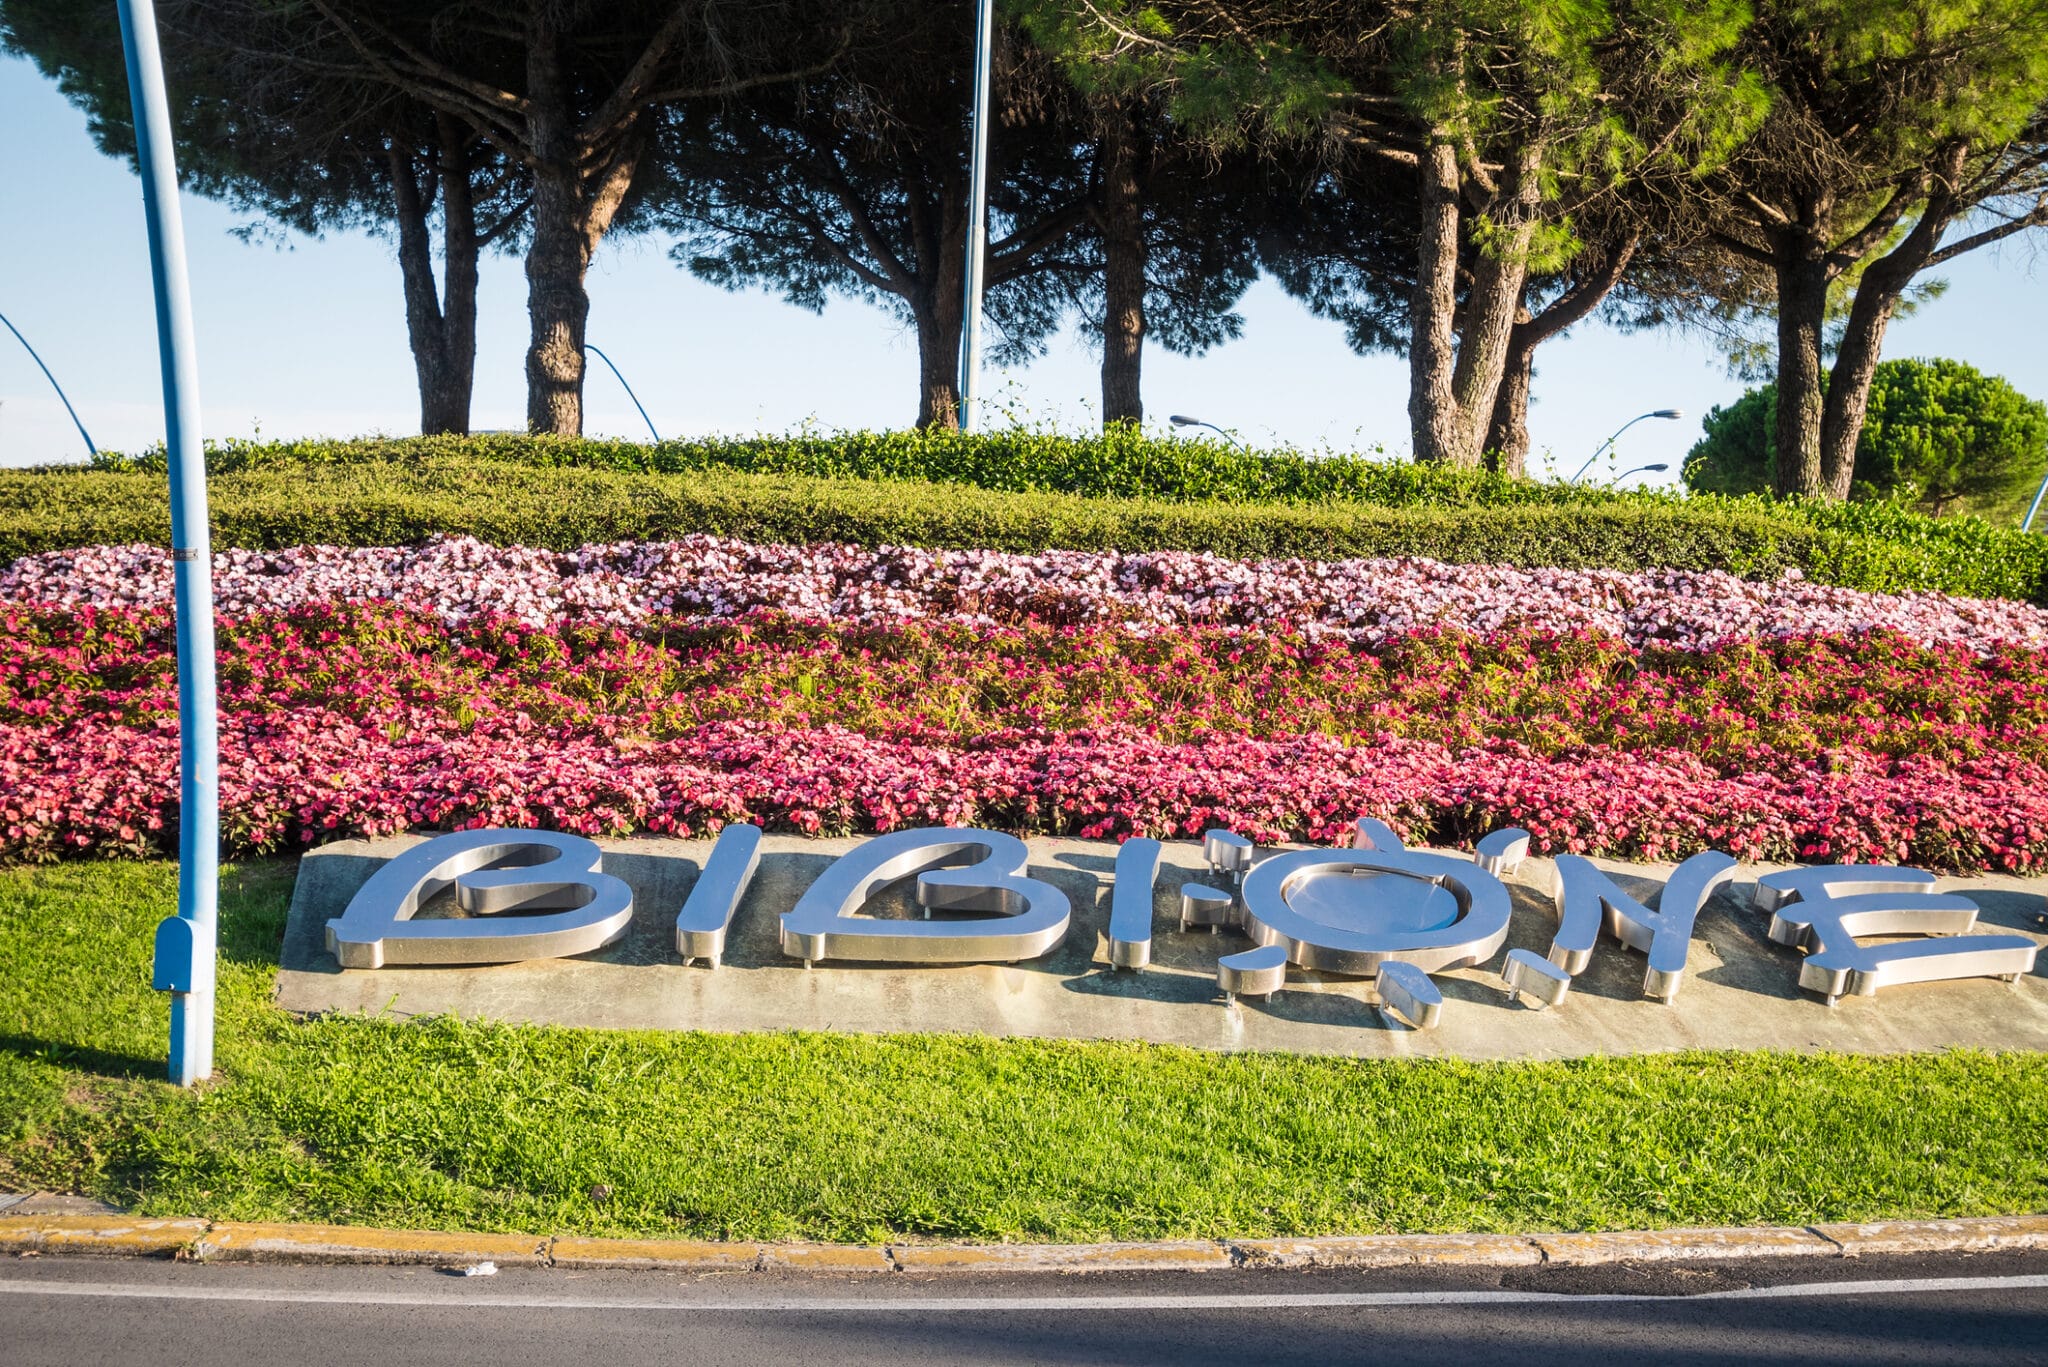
x,y
446,1124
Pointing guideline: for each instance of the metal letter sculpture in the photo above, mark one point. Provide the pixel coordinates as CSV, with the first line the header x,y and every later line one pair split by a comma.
x,y
707,912
1130,902
1258,972
1206,906
1528,976
1588,901
1029,918
1501,853
1450,912
1409,994
492,872
1229,854
1824,910
1371,834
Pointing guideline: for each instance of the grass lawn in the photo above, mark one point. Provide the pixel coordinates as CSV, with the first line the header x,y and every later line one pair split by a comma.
x,y
861,1138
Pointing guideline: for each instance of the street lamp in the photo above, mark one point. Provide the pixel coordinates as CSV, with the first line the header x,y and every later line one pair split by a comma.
x,y
1659,468
53,384
628,388
185,943
977,221
1182,420
2035,506
1669,414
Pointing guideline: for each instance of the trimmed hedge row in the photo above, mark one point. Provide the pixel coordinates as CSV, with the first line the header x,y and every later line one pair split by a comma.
x,y
1120,463
384,503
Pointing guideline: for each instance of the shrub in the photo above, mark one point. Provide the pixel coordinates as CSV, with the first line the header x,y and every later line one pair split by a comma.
x,y
374,503
1120,463
1937,433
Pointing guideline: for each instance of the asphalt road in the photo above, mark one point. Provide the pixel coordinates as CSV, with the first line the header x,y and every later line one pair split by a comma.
x,y
1984,1309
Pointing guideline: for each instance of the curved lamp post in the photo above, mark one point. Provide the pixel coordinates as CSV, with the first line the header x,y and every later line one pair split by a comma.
x,y
61,397
185,942
1659,468
1182,420
2035,506
977,222
628,388
1669,414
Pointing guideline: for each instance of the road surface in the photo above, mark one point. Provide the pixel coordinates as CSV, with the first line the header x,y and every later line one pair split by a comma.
x,y
1954,1309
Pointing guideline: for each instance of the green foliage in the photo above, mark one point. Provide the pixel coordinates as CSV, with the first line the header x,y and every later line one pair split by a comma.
x,y
1178,496
1936,433
449,1124
1939,431
1734,457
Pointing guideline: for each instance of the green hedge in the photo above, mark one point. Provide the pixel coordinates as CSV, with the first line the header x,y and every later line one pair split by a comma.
x,y
271,505
1121,463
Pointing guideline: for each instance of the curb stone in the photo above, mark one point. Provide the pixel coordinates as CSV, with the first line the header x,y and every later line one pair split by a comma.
x,y
238,1241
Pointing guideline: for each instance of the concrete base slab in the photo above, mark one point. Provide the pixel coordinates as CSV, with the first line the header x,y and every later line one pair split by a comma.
x,y
1740,992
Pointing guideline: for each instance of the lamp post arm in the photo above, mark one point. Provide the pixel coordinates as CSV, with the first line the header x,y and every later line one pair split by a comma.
x,y
628,388
61,397
1609,442
2035,506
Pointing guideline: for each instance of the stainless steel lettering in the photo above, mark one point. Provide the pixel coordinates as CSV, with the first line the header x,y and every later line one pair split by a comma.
x,y
1825,910
493,872
1502,852
1588,901
1367,833
1256,972
1431,910
1528,976
1130,902
1206,906
708,910
1410,995
1028,917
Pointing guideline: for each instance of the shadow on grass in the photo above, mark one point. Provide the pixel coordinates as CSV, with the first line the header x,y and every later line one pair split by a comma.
x,y
83,1058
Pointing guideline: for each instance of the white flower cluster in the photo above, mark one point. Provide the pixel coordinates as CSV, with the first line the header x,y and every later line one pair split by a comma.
x,y
712,578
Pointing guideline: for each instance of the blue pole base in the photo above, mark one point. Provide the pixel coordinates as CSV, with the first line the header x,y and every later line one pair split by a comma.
x,y
191,1037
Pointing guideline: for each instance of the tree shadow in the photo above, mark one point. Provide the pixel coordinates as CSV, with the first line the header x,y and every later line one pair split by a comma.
x,y
83,1057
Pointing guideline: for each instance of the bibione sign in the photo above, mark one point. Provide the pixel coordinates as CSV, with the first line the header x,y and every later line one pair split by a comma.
x,y
1374,909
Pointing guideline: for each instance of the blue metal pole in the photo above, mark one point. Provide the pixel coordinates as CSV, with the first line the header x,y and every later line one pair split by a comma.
x,y
2035,506
185,942
977,220
61,396
623,385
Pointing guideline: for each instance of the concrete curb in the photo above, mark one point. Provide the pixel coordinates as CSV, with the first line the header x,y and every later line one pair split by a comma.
x,y
236,1241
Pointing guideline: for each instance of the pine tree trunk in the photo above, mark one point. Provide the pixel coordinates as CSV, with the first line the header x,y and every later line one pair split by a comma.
x,y
1802,317
939,313
938,303
557,309
576,192
1433,416
459,250
1848,391
1884,281
1507,433
444,393
1123,274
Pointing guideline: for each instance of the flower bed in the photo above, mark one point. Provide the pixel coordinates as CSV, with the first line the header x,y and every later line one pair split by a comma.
x,y
296,777
711,579
665,687
1733,708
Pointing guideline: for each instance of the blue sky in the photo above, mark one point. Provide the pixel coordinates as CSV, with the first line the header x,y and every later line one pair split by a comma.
x,y
308,338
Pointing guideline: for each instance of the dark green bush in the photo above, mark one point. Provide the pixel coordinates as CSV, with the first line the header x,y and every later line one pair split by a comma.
x,y
372,503
1937,435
